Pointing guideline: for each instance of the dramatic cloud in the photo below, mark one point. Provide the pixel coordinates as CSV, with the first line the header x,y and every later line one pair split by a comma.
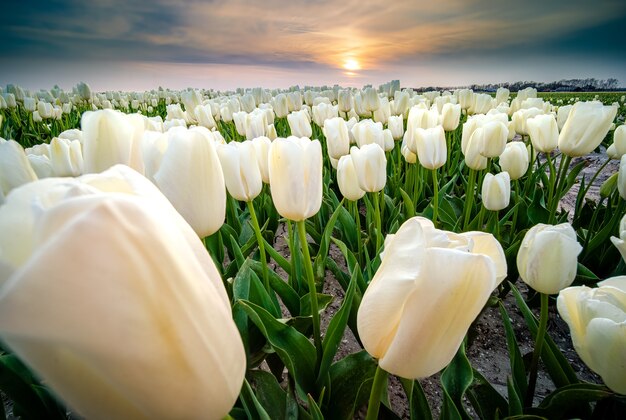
x,y
314,35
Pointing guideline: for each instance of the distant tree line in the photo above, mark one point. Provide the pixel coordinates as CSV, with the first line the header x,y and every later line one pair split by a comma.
x,y
564,85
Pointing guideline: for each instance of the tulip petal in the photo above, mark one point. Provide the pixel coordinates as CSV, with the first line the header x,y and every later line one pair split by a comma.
x,y
452,288
163,319
486,244
608,340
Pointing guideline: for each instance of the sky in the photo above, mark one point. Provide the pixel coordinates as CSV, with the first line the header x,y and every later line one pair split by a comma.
x,y
219,44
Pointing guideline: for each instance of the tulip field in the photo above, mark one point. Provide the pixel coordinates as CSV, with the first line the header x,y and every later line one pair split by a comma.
x,y
316,252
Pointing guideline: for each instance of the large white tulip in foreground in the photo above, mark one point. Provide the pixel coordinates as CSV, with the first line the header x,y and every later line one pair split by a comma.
x,y
108,294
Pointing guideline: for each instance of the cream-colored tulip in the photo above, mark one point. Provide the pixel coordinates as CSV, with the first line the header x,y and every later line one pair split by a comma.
x,y
348,180
548,257
521,117
191,177
368,132
370,164
323,112
585,128
108,253
492,138
241,170
256,124
344,100
295,169
337,137
66,157
502,95
429,288
544,132
204,116
15,168
496,191
300,124
597,322
450,116
262,148
473,158
281,108
430,147
620,243
383,112
396,125
241,119
515,159
619,141
562,114
408,154
371,100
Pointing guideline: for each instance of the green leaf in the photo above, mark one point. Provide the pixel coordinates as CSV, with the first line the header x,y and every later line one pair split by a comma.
x,y
314,409
251,404
409,206
566,402
348,228
516,361
319,266
289,296
279,259
418,404
537,213
269,393
487,402
456,379
294,349
351,381
335,331
571,177
516,406
558,367
239,258
323,300
30,400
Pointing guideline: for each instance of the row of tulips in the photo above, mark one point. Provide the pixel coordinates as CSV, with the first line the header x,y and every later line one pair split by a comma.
x,y
410,302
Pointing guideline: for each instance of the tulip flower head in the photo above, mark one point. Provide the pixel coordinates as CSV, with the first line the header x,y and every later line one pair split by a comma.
x,y
496,191
83,264
548,257
429,288
597,322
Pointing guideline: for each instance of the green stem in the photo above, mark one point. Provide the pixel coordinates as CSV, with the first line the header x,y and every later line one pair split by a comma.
x,y
541,332
312,289
435,197
469,198
551,179
594,177
517,200
380,381
481,217
379,234
563,167
357,218
496,225
261,242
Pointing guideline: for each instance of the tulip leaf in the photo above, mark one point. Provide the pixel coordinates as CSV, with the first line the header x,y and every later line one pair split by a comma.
x,y
565,402
487,402
348,228
352,263
351,381
515,356
289,296
251,404
239,259
603,235
335,331
215,246
418,404
537,213
269,393
30,400
314,409
323,300
293,348
409,206
319,264
586,276
571,177
279,259
559,369
515,399
456,379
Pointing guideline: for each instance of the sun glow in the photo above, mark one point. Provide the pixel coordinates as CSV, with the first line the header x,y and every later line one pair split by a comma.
x,y
351,64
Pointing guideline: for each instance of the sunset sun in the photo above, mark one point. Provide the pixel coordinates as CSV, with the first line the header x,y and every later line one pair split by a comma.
x,y
351,64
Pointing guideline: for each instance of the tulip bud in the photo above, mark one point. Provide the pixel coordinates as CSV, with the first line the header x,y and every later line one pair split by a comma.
x,y
299,124
241,170
371,100
596,321
295,170
430,145
544,133
256,124
396,125
521,117
344,100
66,157
368,132
428,290
492,138
294,101
619,141
515,160
30,104
348,180
370,164
450,116
547,258
502,95
247,103
608,187
482,104
585,128
496,191
323,112
204,116
79,254
262,148
337,137
408,154
191,177
15,169
383,112
388,140
240,119
473,158
281,108
562,115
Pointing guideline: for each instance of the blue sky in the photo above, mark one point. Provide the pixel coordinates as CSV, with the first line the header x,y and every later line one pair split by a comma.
x,y
117,44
